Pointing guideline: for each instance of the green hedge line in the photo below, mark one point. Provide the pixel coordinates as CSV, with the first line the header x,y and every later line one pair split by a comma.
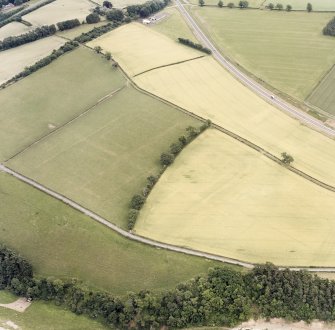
x,y
190,43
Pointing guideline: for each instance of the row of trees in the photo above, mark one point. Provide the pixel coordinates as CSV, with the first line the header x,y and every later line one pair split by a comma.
x,y
166,159
190,43
223,297
39,33
67,25
329,29
18,17
146,9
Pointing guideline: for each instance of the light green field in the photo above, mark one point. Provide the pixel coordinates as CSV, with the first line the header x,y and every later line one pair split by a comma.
x,y
42,316
286,50
61,242
138,48
52,96
173,25
103,158
13,29
58,11
222,197
13,61
205,88
318,5
323,96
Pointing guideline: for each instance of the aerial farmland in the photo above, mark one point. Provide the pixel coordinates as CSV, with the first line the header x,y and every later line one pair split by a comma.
x,y
167,164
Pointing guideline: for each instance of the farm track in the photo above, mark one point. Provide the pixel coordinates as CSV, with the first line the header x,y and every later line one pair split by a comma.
x,y
67,123
250,83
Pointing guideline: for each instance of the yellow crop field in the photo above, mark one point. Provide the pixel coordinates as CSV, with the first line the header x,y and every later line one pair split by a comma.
x,y
14,29
205,88
138,48
58,11
222,197
14,60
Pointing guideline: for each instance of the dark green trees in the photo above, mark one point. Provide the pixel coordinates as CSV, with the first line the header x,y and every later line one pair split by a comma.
x,y
309,7
92,18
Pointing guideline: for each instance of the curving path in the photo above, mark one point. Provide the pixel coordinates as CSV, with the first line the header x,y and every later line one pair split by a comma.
x,y
250,83
141,239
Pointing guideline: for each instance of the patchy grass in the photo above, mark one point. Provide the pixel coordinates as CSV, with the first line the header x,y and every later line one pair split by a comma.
x,y
58,11
14,29
6,297
323,96
205,88
14,60
52,96
287,50
173,25
43,315
102,159
62,242
222,197
138,48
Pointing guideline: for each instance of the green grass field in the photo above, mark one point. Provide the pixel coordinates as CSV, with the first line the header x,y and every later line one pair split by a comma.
x,y
318,5
103,158
52,96
42,316
323,96
61,242
173,25
286,50
220,196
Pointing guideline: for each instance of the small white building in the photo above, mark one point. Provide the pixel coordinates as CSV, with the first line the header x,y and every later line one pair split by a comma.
x,y
146,21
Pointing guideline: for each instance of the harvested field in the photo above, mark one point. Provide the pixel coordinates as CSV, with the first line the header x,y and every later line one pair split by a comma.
x,y
259,40
13,61
103,158
61,242
58,11
205,88
318,5
14,29
52,96
138,48
173,25
323,96
222,197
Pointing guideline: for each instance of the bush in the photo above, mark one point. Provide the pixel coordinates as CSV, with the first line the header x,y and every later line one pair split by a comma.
x,y
329,29
190,43
92,18
243,4
69,24
137,202
286,158
132,217
115,15
230,5
166,159
220,4
288,8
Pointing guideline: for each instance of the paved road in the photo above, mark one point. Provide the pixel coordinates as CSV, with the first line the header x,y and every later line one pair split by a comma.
x,y
254,86
137,238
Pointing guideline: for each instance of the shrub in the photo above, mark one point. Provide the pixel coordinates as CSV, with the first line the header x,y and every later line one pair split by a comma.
x,y
69,24
137,202
92,18
230,5
288,8
190,43
329,29
115,15
286,158
132,217
166,159
176,148
243,4
220,4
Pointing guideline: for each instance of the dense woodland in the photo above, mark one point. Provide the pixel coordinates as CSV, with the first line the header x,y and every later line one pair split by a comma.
x,y
222,297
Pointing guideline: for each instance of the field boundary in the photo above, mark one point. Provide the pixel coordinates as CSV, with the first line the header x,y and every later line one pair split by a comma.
x,y
166,65
103,99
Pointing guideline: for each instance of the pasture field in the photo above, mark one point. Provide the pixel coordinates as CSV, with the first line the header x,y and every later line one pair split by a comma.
x,y
61,242
58,11
14,29
286,50
173,25
138,48
220,196
323,96
103,158
14,60
205,88
52,96
43,315
318,5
